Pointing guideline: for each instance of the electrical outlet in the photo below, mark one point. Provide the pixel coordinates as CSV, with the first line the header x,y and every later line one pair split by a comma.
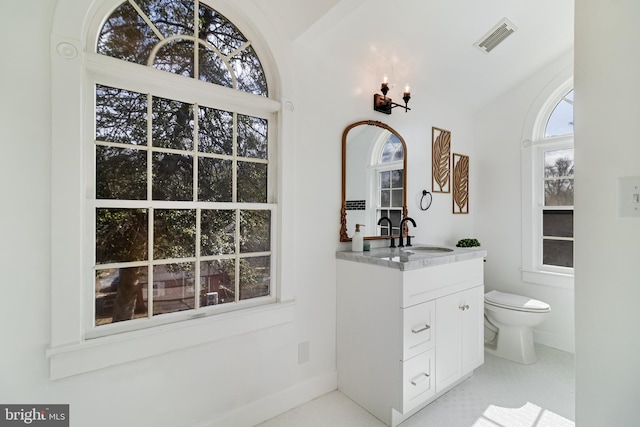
x,y
303,352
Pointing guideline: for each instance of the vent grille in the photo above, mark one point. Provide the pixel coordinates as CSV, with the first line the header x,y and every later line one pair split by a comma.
x,y
496,35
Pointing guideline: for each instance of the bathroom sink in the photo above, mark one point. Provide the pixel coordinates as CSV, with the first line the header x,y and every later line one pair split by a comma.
x,y
429,249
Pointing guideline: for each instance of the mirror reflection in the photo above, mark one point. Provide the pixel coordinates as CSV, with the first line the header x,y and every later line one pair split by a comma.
x,y
374,170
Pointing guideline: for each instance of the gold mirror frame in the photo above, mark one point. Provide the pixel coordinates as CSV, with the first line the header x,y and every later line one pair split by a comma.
x,y
343,210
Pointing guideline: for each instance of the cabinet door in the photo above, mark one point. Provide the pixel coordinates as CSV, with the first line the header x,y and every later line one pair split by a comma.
x,y
448,342
473,329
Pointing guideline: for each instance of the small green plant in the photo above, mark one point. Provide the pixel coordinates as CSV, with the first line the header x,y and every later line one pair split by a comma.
x,y
467,243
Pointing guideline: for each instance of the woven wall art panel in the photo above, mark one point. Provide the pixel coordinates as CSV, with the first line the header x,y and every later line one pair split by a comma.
x,y
440,160
460,184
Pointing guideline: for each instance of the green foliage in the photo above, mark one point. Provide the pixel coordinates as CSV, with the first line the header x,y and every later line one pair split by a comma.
x,y
231,60
166,150
121,235
467,243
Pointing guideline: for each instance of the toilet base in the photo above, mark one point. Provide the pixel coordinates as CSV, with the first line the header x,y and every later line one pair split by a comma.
x,y
514,343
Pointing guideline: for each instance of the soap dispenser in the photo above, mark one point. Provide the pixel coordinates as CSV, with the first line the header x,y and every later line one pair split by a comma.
x,y
357,241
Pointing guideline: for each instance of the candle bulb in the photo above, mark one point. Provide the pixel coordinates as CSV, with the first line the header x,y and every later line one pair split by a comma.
x,y
384,87
406,97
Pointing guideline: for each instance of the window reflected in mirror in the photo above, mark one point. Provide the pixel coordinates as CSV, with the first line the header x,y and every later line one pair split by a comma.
x,y
373,179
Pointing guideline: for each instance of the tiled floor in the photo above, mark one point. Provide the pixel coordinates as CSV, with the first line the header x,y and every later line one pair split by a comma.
x,y
499,394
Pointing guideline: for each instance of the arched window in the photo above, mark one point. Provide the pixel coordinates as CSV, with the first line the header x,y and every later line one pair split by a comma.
x,y
388,176
183,215
548,192
556,154
164,187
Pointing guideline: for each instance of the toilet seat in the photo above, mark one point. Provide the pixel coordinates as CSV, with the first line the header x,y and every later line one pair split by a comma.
x,y
515,302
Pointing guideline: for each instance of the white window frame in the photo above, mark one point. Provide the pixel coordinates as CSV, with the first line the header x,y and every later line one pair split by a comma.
x,y
532,169
75,70
104,70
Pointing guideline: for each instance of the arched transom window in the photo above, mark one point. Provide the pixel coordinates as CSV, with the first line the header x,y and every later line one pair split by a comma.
x,y
184,37
560,121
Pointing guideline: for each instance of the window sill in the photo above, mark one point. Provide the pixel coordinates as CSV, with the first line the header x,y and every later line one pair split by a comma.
x,y
547,278
98,353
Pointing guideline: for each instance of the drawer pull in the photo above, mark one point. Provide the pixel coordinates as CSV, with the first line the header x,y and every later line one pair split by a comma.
x,y
464,307
420,378
419,329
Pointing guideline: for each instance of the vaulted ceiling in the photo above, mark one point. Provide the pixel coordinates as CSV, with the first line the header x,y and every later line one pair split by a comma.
x,y
430,43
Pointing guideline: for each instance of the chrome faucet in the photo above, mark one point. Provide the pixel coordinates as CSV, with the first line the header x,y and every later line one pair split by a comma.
x,y
405,219
393,242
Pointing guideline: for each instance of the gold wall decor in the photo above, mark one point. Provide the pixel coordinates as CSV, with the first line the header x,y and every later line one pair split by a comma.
x,y
440,160
460,184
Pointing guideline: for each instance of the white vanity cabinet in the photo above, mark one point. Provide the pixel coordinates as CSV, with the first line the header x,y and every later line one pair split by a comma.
x,y
405,336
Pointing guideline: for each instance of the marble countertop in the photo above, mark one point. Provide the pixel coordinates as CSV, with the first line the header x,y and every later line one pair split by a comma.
x,y
412,257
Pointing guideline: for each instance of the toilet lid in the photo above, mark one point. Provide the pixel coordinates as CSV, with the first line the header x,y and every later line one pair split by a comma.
x,y
515,302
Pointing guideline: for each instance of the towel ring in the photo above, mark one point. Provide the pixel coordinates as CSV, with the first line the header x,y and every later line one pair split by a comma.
x,y
424,194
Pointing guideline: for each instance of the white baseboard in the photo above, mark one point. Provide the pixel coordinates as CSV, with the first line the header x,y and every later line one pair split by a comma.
x,y
271,406
561,342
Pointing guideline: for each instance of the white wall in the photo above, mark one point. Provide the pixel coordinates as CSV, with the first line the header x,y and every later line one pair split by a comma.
x,y
261,374
607,97
235,381
258,374
499,132
24,184
337,93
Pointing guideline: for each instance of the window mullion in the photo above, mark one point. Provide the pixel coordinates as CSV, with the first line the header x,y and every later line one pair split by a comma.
x,y
150,214
234,197
566,239
557,208
558,178
149,146
196,41
196,272
150,301
196,161
196,126
234,194
237,257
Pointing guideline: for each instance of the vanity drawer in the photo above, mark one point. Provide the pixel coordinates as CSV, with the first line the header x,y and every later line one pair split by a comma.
x,y
418,384
418,329
434,282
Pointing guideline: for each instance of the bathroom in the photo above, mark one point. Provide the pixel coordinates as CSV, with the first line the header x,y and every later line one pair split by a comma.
x,y
328,78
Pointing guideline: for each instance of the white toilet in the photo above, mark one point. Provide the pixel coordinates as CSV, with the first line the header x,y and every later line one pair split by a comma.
x,y
509,321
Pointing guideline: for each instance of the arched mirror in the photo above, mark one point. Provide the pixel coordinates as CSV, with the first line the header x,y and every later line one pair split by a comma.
x,y
374,179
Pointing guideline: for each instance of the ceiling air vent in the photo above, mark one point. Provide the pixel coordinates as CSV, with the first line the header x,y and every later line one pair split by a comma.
x,y
495,36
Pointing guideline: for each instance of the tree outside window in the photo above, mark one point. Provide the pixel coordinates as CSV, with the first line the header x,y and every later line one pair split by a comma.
x,y
182,212
557,215
558,186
